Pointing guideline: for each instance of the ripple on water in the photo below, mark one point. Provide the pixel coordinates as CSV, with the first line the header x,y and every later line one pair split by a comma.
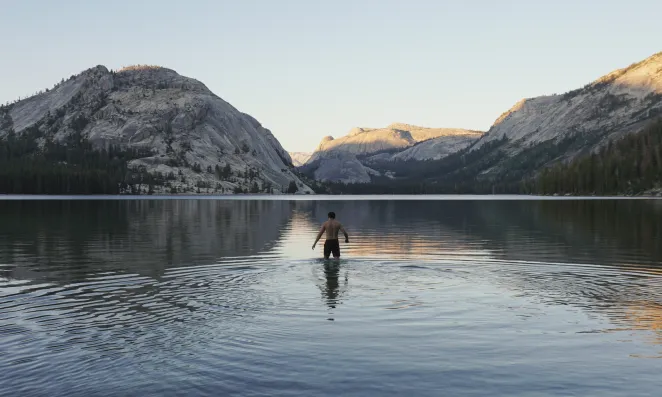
x,y
234,313
416,305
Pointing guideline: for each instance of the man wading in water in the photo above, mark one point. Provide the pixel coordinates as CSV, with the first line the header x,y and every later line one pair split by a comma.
x,y
332,227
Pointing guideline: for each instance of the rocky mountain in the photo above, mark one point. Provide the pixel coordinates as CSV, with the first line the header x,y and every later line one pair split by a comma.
x,y
581,120
338,166
348,159
300,158
536,134
189,139
435,148
395,137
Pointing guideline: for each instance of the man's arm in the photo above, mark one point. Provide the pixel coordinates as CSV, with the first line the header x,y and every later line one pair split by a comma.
x,y
319,235
342,229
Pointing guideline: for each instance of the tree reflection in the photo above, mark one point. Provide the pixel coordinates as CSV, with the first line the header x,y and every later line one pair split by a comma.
x,y
66,241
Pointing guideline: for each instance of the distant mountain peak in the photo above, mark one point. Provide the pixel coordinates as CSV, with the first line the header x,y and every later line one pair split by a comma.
x,y
357,130
403,126
139,67
300,158
650,67
98,68
342,159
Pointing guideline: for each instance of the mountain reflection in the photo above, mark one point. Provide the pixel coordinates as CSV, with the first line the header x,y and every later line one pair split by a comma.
x,y
600,255
64,241
594,231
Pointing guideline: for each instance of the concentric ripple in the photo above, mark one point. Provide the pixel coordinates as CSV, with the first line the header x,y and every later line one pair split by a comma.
x,y
226,297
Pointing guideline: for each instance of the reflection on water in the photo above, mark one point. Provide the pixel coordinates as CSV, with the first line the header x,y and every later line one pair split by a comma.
x,y
331,289
58,240
201,297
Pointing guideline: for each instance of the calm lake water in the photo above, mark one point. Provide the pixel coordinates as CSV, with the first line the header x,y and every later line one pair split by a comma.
x,y
431,297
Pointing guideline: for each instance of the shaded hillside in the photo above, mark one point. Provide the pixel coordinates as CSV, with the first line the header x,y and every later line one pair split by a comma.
x,y
630,165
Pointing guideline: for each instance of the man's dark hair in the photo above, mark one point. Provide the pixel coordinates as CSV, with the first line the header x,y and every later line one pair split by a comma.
x,y
332,215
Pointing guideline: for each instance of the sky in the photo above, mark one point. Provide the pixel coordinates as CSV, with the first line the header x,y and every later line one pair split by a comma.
x,y
310,68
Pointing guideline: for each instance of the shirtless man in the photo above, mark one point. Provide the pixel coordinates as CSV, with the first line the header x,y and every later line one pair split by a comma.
x,y
332,228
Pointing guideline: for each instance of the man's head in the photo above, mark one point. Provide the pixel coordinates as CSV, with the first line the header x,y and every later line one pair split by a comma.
x,y
332,215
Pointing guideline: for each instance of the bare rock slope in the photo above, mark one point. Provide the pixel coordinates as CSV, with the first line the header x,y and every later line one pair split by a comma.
x,y
347,159
188,130
614,105
397,136
300,158
437,148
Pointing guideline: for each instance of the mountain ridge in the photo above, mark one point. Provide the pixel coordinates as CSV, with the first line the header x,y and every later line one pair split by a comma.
x,y
188,130
608,102
535,134
175,126
300,158
348,158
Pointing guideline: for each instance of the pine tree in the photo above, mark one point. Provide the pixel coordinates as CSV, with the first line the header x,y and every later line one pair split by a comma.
x,y
292,188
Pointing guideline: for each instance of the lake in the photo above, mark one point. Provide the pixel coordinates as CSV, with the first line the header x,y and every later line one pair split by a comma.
x,y
209,297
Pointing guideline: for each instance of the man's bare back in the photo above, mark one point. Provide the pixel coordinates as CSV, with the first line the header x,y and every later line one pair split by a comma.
x,y
332,227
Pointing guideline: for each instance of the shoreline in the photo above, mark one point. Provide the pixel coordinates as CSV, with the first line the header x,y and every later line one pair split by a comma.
x,y
313,197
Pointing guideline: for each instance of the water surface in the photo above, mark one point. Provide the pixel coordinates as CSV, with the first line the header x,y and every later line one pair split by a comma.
x,y
431,297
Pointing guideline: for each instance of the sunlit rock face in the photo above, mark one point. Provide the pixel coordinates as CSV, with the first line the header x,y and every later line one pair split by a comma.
x,y
347,159
614,105
397,136
188,129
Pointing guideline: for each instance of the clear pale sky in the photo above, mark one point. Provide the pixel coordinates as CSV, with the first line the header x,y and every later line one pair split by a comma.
x,y
310,68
